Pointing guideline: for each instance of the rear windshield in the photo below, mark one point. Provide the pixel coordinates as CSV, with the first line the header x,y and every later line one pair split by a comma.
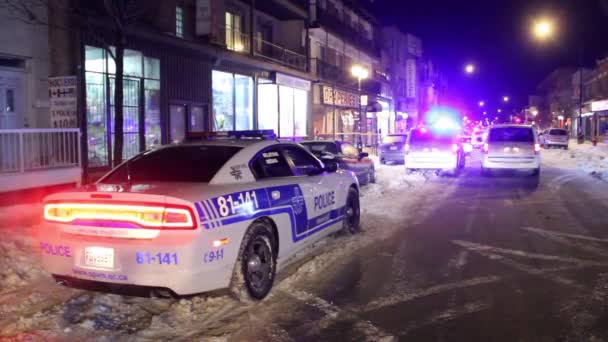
x,y
319,147
391,139
511,134
174,164
418,137
558,132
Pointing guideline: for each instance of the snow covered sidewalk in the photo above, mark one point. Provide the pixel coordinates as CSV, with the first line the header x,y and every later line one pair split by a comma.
x,y
592,160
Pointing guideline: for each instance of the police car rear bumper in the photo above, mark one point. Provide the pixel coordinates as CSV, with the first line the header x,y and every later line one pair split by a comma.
x,y
175,260
391,156
529,163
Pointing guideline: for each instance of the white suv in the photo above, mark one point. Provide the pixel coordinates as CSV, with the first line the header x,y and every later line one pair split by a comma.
x,y
513,147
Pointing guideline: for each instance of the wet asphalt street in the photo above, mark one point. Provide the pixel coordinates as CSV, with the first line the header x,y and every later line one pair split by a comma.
x,y
504,258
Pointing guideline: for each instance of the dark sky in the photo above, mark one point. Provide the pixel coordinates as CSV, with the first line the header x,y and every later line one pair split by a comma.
x,y
495,36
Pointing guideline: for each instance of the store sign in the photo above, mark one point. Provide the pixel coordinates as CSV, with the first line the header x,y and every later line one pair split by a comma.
x,y
63,100
343,99
410,80
292,82
597,106
203,17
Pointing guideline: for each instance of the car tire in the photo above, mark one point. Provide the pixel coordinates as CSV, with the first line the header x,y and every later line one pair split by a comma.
x,y
408,171
372,175
486,172
536,172
255,269
352,213
382,162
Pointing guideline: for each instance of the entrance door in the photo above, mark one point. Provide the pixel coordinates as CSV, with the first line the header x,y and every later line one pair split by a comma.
x,y
177,123
8,112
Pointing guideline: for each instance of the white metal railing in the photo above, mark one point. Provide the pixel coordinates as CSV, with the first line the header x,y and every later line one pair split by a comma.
x,y
23,150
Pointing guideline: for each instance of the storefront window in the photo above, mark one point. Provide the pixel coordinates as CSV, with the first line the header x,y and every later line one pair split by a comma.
x,y
197,119
268,107
232,101
300,98
100,104
152,129
243,102
287,111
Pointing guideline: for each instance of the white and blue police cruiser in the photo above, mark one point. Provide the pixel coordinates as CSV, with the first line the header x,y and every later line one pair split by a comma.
x,y
199,216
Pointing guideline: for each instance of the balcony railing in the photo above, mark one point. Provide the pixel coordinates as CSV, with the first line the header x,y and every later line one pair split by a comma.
x,y
358,36
25,150
231,39
280,54
330,72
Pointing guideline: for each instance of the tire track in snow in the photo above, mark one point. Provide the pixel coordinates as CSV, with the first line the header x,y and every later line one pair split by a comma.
x,y
560,238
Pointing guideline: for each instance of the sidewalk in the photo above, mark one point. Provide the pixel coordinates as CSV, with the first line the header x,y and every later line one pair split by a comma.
x,y
590,159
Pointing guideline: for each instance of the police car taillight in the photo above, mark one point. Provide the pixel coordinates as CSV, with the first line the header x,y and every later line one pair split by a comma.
x,y
146,216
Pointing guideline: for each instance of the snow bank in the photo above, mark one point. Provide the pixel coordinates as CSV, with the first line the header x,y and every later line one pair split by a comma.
x,y
590,159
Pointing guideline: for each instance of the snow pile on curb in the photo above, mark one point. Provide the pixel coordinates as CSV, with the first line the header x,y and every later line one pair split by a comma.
x,y
592,160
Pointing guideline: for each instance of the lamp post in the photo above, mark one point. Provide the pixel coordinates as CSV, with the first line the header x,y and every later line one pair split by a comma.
x,y
360,73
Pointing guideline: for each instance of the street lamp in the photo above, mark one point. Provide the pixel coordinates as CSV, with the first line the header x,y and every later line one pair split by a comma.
x,y
543,29
481,103
469,68
500,110
505,98
360,73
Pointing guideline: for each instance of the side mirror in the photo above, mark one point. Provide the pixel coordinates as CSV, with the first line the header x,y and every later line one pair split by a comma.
x,y
331,167
363,155
327,156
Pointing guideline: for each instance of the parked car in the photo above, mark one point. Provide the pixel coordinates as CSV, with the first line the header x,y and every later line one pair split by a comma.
x,y
392,148
512,147
426,150
554,137
347,157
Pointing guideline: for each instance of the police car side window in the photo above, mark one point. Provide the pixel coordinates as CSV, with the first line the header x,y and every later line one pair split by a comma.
x,y
271,164
303,161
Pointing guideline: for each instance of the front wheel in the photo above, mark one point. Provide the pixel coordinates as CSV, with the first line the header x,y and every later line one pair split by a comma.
x,y
255,269
352,212
536,172
372,175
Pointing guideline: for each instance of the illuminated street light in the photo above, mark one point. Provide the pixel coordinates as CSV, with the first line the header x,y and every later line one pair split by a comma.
x,y
360,73
500,110
481,103
485,113
543,28
469,68
505,98
535,113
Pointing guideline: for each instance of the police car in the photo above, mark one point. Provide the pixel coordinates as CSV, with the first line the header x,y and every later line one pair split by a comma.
x,y
199,216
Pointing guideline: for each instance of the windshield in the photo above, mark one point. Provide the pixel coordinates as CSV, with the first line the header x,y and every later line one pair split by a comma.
x,y
511,134
558,132
317,148
391,139
182,163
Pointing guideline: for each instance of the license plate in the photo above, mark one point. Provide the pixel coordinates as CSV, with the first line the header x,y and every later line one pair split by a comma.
x,y
99,257
393,148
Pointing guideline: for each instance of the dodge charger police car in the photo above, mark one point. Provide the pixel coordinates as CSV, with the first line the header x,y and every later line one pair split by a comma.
x,y
199,216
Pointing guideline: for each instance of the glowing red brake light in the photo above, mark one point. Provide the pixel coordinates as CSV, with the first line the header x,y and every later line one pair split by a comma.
x,y
150,216
486,148
536,148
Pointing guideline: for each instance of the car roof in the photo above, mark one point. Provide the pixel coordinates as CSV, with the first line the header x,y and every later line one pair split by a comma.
x,y
512,126
321,141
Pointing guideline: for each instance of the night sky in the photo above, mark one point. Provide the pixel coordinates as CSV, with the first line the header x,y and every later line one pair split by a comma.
x,y
495,36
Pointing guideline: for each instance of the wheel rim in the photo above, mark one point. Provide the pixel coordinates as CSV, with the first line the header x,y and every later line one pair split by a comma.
x,y
258,265
351,214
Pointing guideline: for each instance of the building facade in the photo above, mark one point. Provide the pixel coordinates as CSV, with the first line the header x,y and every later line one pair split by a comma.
x,y
343,34
595,99
24,64
189,66
405,54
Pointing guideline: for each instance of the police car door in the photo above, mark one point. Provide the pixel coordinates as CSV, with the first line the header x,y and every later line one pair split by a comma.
x,y
319,191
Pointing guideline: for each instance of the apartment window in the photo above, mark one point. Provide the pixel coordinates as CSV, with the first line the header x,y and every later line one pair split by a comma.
x,y
179,22
234,35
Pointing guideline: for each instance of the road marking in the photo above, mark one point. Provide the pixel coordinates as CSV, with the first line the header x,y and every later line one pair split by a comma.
x,y
406,297
472,246
447,315
559,237
573,236
524,268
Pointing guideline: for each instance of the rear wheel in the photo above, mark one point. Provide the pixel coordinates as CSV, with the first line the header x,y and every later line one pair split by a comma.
x,y
255,269
352,212
486,172
536,172
372,175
